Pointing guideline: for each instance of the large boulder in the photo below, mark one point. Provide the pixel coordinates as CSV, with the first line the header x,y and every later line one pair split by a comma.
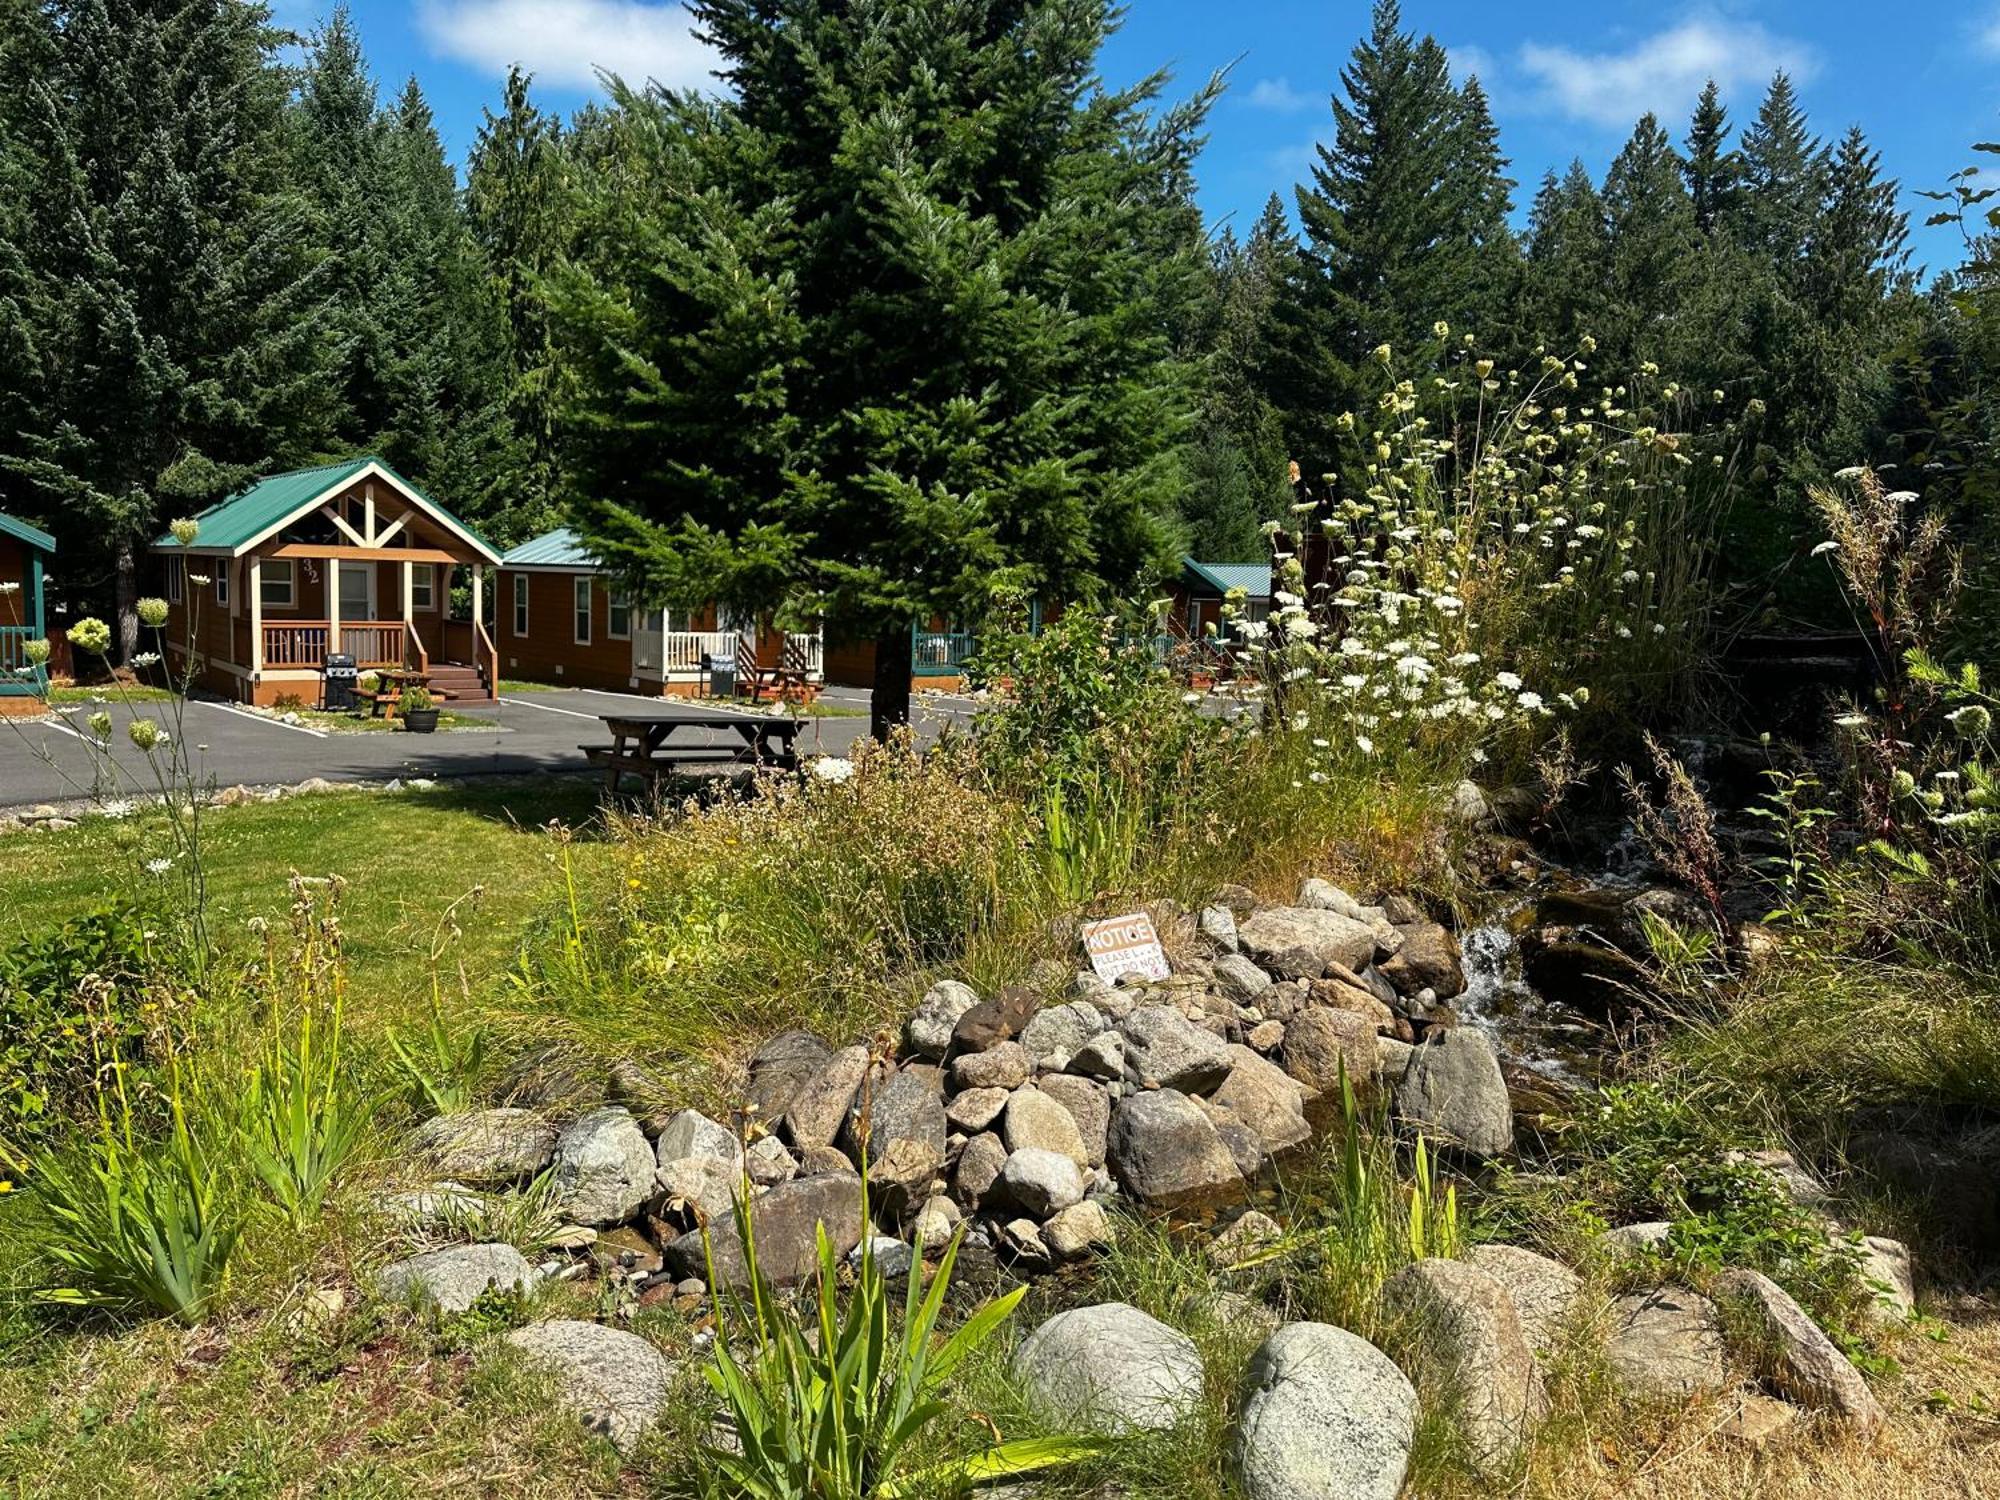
x,y
1109,1368
486,1147
691,1133
1089,1105
1058,1033
1034,1119
701,1187
1040,1182
1471,1327
1078,1230
604,1168
904,1107
1004,1065
928,1033
979,1164
1165,1050
778,1068
454,1278
786,1221
615,1381
1453,1091
1164,1150
1298,942
820,1103
1427,960
1802,1362
1889,1273
973,1110
1239,979
1325,1416
1545,1291
1665,1344
1320,1041
1264,1097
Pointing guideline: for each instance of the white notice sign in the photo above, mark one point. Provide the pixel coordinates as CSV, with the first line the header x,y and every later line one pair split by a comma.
x,y
1125,945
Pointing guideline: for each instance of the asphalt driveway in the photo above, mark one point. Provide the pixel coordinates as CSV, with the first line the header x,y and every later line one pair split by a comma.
x,y
45,760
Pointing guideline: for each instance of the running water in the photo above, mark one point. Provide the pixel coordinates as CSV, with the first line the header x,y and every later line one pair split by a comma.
x,y
1524,1029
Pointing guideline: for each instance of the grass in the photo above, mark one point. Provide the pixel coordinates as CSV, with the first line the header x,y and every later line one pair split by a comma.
x,y
406,856
510,687
133,692
346,723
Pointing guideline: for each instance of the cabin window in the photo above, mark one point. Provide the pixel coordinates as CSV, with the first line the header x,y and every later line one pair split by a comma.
x,y
423,586
176,579
222,567
580,588
618,618
277,586
521,605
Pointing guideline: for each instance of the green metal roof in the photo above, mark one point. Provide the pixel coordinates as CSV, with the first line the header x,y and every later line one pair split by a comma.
x,y
1253,578
33,536
232,524
561,548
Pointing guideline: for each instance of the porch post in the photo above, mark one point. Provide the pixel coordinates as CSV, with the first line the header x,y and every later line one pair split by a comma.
x,y
256,616
478,596
333,605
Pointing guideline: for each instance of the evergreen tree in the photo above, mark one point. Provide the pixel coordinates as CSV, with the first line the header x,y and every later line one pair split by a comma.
x,y
1712,168
516,203
1653,250
1568,260
892,325
1783,176
1405,216
160,281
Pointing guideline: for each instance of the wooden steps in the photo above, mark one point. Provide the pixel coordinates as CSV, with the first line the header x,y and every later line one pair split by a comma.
x,y
454,682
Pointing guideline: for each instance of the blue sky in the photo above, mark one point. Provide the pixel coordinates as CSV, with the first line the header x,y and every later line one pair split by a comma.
x,y
1922,77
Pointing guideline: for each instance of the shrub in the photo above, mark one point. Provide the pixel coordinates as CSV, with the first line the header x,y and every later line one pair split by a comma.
x,y
71,999
840,1411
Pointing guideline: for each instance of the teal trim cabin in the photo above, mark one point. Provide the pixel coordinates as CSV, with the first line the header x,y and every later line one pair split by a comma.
x,y
24,554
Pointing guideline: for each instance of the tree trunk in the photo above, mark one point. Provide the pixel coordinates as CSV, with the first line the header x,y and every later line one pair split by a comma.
x,y
127,602
889,708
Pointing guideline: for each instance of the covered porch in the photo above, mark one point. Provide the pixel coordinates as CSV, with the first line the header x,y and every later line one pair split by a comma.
x,y
350,561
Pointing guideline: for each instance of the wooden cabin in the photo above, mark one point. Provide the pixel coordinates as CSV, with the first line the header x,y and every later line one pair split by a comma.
x,y
24,554
348,558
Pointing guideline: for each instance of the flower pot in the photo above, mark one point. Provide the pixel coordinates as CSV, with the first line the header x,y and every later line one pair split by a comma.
x,y
421,721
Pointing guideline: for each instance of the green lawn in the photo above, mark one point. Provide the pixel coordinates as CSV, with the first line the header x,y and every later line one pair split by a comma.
x,y
347,723
406,856
132,692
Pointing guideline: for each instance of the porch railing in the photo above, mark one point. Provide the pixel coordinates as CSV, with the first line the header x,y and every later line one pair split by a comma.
x,y
682,650
940,653
805,653
305,643
16,675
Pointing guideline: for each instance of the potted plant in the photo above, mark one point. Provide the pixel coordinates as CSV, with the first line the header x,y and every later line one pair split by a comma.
x,y
418,710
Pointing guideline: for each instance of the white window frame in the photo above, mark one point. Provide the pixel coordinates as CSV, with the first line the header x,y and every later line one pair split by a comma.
x,y
579,608
222,565
268,574
521,606
618,604
176,579
423,587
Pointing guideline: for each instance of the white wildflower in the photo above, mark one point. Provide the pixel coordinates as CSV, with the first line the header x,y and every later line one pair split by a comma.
x,y
832,768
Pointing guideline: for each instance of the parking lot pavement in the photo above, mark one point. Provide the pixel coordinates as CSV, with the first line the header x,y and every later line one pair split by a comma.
x,y
46,761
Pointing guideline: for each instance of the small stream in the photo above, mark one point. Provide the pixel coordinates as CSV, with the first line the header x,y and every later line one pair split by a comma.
x,y
1535,1036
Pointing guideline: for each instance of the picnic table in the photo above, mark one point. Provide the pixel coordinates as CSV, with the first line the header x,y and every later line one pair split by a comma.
x,y
388,691
644,744
788,683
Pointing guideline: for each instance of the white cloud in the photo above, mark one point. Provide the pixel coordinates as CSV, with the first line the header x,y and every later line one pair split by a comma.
x,y
1986,35
1278,95
1664,72
566,41
1468,62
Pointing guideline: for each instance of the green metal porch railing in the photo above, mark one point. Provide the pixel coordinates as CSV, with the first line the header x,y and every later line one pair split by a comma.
x,y
17,677
939,653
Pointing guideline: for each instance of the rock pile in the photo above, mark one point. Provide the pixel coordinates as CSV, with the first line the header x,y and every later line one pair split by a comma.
x,y
1021,1114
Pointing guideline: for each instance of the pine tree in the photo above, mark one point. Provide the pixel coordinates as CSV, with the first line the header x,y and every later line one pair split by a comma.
x,y
1782,182
516,205
1568,260
1860,248
162,281
1653,246
1405,216
1712,169
893,324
